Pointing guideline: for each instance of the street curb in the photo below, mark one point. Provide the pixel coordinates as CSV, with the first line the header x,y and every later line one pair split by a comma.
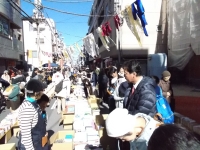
x,y
186,122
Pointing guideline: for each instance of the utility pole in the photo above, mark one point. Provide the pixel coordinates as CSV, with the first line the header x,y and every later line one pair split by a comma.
x,y
117,10
38,17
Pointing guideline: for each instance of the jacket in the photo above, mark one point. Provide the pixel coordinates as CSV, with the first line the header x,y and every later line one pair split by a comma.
x,y
143,100
13,96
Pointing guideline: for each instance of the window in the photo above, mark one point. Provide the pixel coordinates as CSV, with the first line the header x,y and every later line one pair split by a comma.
x,y
41,40
4,26
34,54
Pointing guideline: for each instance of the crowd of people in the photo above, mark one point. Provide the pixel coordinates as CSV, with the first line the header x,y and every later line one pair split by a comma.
x,y
140,107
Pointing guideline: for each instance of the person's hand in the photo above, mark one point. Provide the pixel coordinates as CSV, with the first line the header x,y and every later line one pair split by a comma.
x,y
168,94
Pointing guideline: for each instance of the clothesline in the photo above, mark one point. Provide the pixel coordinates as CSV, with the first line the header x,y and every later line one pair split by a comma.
x,y
132,15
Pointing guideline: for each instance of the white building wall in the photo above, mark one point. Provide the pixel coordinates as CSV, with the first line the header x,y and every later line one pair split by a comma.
x,y
30,44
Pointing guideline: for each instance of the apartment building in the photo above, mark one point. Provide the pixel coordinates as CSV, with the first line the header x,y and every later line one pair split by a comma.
x,y
11,39
39,52
125,41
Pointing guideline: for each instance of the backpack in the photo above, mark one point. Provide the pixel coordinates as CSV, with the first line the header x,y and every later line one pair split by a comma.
x,y
163,107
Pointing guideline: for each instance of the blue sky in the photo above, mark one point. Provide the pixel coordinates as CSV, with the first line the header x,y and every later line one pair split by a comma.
x,y
73,28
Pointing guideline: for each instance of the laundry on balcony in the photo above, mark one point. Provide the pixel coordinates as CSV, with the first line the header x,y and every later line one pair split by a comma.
x,y
134,25
90,44
102,38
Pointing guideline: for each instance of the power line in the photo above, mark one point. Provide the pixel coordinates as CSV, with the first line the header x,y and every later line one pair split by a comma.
x,y
56,1
71,22
70,18
70,13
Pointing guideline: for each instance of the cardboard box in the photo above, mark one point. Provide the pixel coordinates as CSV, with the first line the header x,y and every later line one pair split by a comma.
x,y
92,96
10,146
94,106
61,135
68,122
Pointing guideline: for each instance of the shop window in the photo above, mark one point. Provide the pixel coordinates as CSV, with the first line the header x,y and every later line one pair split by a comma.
x,y
4,26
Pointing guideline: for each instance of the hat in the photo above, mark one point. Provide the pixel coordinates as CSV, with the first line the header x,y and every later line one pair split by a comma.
x,y
166,73
34,85
6,71
119,122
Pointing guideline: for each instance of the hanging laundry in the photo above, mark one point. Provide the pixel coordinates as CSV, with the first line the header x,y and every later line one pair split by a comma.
x,y
97,49
89,44
100,33
77,46
71,49
65,54
106,29
117,22
134,25
140,13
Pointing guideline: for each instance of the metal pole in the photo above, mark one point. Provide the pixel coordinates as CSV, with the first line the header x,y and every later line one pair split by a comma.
x,y
119,49
119,44
38,43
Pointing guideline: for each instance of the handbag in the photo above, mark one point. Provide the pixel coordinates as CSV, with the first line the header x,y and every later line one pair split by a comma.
x,y
59,86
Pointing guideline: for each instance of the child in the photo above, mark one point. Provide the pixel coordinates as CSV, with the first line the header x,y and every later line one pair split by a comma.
x,y
43,102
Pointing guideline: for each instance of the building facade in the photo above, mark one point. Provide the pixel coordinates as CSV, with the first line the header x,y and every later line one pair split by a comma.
x,y
11,36
124,40
39,52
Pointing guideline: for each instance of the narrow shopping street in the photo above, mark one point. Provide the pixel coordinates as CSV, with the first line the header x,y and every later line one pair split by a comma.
x,y
99,75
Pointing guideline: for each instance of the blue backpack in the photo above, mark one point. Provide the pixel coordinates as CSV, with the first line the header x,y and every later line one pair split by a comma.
x,y
163,107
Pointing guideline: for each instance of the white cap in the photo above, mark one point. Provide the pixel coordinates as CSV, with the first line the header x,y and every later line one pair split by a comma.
x,y
119,122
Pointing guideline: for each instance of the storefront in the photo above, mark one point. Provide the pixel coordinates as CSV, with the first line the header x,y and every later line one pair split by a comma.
x,y
6,63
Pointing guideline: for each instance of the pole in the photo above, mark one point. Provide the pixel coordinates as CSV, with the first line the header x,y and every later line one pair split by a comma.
x,y
119,49
38,43
119,44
